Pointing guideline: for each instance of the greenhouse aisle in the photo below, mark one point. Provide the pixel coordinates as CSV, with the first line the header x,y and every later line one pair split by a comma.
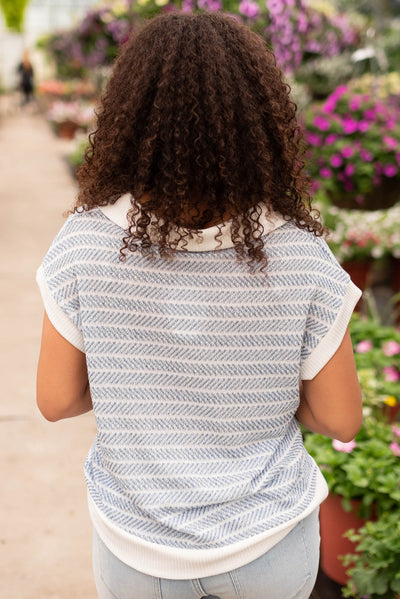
x,y
45,533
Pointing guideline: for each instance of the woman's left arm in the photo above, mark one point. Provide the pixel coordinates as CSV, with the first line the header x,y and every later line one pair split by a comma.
x,y
62,388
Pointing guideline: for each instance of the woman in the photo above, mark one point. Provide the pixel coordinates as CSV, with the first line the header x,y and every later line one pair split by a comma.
x,y
186,298
25,70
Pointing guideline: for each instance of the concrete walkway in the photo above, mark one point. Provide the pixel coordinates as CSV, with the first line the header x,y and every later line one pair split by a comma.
x,y
45,531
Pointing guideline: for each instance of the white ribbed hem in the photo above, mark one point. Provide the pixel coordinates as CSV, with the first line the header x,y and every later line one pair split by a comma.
x,y
331,342
203,240
162,561
58,318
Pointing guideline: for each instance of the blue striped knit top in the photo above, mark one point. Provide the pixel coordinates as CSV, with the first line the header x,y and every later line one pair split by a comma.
x,y
194,365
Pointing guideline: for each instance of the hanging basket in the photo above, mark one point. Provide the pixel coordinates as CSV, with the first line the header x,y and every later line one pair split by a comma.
x,y
384,196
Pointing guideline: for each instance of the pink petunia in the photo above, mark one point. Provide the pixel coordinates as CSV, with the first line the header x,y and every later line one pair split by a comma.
x,y
330,139
349,125
390,142
391,348
325,172
348,152
366,155
346,447
349,170
396,430
395,447
391,374
336,160
390,170
363,346
321,123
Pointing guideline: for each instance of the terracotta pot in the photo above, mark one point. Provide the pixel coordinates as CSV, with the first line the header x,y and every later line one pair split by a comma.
x,y
67,129
391,413
334,522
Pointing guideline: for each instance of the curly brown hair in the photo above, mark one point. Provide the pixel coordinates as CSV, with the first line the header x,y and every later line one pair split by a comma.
x,y
197,124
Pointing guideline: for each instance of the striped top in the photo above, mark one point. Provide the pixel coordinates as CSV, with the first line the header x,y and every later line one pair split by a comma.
x,y
194,366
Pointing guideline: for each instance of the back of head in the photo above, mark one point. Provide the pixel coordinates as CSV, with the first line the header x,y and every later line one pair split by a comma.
x,y
197,124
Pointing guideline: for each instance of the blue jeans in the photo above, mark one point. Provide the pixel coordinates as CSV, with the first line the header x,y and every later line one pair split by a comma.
x,y
287,571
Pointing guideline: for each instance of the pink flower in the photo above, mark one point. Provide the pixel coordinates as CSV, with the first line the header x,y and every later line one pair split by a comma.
x,y
313,139
355,102
348,152
349,170
390,170
363,126
395,447
346,447
336,160
363,346
391,348
365,155
325,172
331,138
390,142
396,430
321,123
349,125
391,374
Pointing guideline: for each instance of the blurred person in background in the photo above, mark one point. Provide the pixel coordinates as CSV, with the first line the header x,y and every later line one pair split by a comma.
x,y
26,74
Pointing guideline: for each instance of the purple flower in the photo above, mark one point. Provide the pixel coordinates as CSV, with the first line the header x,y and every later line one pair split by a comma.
x,y
325,172
391,374
369,114
395,447
349,170
390,170
391,348
346,447
336,160
363,346
249,9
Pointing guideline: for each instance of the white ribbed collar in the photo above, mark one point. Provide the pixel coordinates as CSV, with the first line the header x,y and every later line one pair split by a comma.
x,y
199,241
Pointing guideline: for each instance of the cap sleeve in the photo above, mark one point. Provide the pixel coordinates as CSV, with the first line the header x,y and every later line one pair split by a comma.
x,y
59,290
334,299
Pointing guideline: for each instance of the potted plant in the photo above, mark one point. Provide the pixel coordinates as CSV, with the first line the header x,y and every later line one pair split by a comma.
x,y
354,144
375,565
363,478
68,117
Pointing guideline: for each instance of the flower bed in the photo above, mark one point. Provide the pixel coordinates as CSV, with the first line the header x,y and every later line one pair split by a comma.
x,y
71,116
354,147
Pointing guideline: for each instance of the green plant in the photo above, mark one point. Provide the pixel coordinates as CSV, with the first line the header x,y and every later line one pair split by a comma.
x,y
367,469
14,13
375,567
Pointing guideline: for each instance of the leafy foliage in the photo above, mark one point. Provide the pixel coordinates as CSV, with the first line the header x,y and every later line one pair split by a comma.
x,y
14,13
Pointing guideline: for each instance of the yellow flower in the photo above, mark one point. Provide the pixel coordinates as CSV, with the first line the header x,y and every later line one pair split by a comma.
x,y
391,401
161,2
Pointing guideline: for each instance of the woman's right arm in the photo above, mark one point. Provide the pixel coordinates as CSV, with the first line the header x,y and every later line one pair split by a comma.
x,y
330,403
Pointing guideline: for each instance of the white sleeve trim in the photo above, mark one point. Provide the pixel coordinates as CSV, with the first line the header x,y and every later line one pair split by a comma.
x,y
332,340
57,316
